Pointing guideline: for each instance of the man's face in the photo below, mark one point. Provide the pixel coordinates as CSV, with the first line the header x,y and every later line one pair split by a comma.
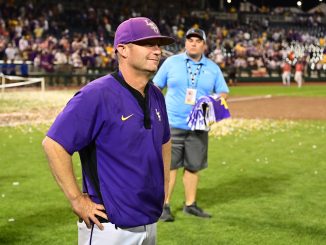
x,y
195,46
144,55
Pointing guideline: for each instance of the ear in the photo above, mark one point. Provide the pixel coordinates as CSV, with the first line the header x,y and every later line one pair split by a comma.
x,y
122,50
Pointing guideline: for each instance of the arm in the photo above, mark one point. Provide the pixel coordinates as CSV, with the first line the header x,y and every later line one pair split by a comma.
x,y
61,166
221,87
166,153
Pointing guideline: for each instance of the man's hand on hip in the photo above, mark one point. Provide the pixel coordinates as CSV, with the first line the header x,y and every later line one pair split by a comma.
x,y
87,210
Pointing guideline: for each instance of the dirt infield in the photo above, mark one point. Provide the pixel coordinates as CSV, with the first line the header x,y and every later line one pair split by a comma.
x,y
293,108
252,107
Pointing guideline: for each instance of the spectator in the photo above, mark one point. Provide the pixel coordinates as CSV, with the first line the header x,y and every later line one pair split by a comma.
x,y
187,77
232,72
11,51
93,27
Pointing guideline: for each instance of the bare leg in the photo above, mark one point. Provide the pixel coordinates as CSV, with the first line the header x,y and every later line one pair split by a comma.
x,y
190,182
173,177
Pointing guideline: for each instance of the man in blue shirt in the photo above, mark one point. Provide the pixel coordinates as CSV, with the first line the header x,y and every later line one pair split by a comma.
x,y
187,77
118,124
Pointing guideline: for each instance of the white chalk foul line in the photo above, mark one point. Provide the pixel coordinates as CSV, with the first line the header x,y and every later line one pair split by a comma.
x,y
250,98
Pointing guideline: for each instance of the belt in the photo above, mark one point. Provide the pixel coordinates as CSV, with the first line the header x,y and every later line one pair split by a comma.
x,y
140,228
102,220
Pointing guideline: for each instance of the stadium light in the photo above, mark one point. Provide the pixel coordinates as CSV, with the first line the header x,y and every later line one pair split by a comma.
x,y
299,3
228,1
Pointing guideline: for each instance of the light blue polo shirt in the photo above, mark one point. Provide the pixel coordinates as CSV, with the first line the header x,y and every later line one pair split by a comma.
x,y
174,75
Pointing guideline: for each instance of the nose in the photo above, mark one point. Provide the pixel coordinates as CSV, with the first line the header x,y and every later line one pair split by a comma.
x,y
157,49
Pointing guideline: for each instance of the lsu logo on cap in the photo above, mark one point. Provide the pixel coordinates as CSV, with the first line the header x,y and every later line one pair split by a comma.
x,y
152,26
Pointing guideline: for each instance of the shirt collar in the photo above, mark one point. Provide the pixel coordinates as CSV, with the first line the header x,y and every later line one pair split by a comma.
x,y
203,60
142,101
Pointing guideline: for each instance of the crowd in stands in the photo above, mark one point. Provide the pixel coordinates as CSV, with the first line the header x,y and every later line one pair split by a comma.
x,y
52,35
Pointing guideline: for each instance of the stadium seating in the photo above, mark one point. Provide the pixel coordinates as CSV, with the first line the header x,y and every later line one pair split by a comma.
x,y
257,43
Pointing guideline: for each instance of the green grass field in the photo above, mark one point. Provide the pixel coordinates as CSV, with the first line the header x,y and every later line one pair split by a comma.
x,y
263,186
306,90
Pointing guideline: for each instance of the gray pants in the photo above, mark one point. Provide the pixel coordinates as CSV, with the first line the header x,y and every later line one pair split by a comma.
x,y
141,235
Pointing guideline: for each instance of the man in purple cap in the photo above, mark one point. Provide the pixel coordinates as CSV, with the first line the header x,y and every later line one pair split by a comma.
x,y
118,124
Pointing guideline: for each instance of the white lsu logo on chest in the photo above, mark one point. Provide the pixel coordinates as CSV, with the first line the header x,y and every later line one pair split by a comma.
x,y
158,114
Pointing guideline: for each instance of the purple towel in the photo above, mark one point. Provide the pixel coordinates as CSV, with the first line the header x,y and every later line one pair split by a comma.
x,y
206,111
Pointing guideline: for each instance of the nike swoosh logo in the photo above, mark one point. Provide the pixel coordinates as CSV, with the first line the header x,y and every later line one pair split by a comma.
x,y
126,118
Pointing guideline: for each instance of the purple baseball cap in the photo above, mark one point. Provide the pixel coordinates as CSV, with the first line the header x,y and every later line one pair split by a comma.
x,y
138,29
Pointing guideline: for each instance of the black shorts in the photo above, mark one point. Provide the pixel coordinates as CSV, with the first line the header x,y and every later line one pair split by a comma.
x,y
189,149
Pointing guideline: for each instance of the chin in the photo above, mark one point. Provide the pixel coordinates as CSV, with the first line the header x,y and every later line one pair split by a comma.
x,y
194,55
153,69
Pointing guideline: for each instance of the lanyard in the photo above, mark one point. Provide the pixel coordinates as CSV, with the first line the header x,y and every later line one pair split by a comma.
x,y
193,77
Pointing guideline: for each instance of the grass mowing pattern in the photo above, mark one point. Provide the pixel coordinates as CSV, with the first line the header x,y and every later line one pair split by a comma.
x,y
262,187
306,90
